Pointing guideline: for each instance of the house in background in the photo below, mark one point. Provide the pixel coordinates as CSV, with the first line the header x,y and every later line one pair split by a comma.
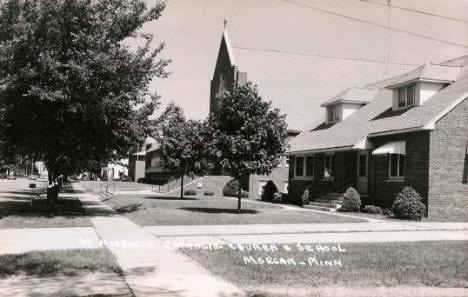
x,y
409,130
227,75
155,173
115,171
137,160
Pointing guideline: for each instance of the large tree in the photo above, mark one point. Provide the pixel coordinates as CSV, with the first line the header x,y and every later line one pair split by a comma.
x,y
182,144
72,92
248,135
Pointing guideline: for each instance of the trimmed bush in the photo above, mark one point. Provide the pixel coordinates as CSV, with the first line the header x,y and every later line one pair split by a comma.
x,y
231,188
190,192
305,198
408,205
277,197
372,209
208,193
351,201
386,212
268,191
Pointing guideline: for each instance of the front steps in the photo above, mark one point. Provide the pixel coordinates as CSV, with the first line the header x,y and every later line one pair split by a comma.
x,y
329,202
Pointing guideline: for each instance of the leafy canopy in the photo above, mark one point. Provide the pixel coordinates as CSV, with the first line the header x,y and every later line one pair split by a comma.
x,y
181,142
72,93
248,135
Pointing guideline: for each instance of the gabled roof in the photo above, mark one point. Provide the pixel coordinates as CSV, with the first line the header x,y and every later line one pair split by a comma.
x,y
428,72
352,95
377,117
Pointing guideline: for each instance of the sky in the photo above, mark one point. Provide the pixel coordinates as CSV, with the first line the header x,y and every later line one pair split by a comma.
x,y
302,52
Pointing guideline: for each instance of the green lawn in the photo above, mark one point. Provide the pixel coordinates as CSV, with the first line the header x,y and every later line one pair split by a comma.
x,y
438,264
58,263
16,210
157,210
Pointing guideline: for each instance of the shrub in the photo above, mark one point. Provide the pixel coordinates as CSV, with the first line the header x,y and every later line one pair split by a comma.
x,y
268,191
277,197
231,188
408,205
190,192
208,193
372,209
386,212
351,201
305,198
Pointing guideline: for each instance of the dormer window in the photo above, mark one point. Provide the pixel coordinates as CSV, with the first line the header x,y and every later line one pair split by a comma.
x,y
333,114
406,97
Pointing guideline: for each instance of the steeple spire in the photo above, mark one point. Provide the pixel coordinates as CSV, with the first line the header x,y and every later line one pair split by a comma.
x,y
225,22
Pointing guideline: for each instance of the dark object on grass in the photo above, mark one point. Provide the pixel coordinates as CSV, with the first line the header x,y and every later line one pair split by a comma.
x,y
408,205
129,208
190,192
208,193
351,201
268,191
372,209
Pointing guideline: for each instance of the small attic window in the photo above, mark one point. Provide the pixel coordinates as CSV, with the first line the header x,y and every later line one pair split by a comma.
x,y
333,114
406,97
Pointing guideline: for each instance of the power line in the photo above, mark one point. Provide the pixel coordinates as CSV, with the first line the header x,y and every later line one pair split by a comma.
x,y
319,56
373,24
417,11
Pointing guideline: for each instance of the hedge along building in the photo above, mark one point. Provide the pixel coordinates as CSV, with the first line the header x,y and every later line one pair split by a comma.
x,y
409,130
227,75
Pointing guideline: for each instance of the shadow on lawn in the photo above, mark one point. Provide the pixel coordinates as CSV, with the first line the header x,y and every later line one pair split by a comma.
x,y
170,198
219,210
22,206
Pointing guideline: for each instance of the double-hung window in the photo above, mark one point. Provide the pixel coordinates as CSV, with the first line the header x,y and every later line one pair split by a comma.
x,y
396,166
406,97
299,168
332,114
304,167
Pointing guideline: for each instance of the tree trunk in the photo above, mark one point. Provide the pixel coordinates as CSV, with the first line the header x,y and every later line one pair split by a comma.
x,y
239,192
182,186
52,190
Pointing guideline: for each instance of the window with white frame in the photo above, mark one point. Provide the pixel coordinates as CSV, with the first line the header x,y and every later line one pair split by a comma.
x,y
406,97
328,166
286,162
299,166
396,166
332,114
304,166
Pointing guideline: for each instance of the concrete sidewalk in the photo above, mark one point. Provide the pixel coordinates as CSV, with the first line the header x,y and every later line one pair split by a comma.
x,y
16,241
150,268
252,229
335,237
